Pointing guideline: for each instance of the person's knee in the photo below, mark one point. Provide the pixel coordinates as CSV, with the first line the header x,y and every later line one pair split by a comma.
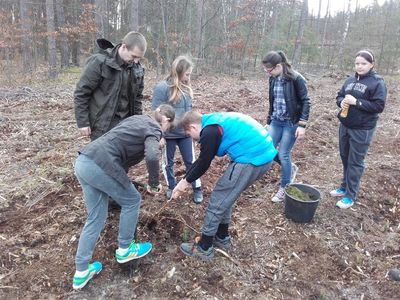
x,y
284,156
131,202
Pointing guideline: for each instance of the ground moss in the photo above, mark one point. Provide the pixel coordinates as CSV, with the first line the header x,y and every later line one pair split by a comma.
x,y
296,193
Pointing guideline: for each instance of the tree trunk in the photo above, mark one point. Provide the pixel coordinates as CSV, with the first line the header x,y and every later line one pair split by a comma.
x,y
275,18
101,18
183,32
75,39
318,18
200,16
190,38
51,40
300,33
245,52
134,16
323,38
266,12
344,36
289,30
383,37
164,31
64,47
26,35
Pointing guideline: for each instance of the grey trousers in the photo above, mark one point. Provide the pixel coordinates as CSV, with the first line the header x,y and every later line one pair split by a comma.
x,y
236,178
353,145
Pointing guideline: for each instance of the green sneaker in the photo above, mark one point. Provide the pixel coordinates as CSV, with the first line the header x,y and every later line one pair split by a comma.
x,y
194,250
135,251
94,269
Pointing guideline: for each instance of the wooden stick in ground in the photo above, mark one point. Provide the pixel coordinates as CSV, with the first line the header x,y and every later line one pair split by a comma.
x,y
226,255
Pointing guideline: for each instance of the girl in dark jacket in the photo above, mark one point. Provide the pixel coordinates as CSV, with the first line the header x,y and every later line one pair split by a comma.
x,y
361,98
289,107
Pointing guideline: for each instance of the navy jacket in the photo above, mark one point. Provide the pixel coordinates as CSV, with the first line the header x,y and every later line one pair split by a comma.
x,y
370,91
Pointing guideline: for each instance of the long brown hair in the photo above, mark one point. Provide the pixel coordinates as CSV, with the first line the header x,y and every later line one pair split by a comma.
x,y
180,65
279,57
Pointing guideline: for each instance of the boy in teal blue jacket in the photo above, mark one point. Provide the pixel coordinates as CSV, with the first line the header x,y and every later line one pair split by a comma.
x,y
251,150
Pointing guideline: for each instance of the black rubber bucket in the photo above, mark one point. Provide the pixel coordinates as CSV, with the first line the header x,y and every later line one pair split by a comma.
x,y
302,211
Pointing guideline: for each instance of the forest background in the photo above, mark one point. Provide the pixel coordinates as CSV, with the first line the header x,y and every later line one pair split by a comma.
x,y
222,36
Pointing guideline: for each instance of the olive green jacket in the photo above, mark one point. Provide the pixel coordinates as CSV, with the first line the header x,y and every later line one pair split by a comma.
x,y
96,96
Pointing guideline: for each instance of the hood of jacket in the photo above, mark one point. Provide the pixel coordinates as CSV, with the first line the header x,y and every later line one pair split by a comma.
x,y
110,51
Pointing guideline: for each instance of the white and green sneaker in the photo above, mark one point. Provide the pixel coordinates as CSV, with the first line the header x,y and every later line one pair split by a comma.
x,y
339,192
135,251
79,282
345,202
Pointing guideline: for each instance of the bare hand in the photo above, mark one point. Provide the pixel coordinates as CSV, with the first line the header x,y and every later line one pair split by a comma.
x,y
349,99
344,104
179,189
162,143
300,132
85,131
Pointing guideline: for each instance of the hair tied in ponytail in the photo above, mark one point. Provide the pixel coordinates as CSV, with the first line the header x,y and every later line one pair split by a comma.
x,y
282,55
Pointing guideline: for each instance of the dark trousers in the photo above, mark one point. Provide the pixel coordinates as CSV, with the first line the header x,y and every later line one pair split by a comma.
x,y
236,178
353,145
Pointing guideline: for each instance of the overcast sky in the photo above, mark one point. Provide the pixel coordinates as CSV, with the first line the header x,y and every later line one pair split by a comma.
x,y
337,5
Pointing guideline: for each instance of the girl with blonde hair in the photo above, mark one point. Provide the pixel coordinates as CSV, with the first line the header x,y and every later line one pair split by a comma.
x,y
176,91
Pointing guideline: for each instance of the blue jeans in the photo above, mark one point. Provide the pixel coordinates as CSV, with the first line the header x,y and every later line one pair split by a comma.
x,y
283,136
185,146
97,187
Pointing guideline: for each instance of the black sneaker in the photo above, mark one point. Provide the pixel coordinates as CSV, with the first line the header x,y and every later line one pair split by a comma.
x,y
197,195
168,193
194,250
224,243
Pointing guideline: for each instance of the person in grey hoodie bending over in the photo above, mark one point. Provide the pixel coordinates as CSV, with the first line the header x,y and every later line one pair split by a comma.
x,y
176,90
101,171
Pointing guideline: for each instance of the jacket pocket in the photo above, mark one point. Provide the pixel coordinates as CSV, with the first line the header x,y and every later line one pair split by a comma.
x,y
233,170
108,80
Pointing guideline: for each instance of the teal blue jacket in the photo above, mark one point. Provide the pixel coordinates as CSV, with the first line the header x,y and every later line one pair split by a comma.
x,y
243,138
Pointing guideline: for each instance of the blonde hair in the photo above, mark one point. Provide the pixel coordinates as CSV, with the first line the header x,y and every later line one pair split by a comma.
x,y
180,65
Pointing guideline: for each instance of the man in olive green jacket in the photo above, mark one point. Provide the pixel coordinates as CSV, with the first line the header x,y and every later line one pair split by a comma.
x,y
111,86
